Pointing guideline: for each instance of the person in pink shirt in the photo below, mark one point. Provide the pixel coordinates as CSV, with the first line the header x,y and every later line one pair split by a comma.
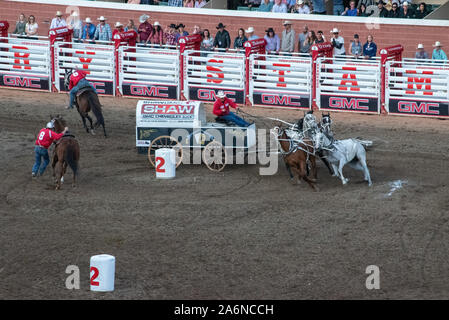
x,y
158,34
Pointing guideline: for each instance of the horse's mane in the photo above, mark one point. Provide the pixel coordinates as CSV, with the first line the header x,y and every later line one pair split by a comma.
x,y
59,123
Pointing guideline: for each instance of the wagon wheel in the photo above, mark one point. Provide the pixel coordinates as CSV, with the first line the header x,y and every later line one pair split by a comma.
x,y
165,142
215,156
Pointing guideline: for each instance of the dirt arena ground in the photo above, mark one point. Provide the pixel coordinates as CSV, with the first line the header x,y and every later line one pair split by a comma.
x,y
229,235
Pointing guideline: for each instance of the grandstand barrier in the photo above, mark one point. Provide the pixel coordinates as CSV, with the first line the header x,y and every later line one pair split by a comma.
x,y
414,87
347,84
24,63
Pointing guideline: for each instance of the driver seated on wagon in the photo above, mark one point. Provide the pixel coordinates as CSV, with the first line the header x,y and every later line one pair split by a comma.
x,y
221,110
77,81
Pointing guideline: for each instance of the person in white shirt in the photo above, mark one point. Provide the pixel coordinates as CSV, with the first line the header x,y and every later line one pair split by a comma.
x,y
288,37
58,21
74,23
31,27
200,3
250,34
337,42
279,7
301,8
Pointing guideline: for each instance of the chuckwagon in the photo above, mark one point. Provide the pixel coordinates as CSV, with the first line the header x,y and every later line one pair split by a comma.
x,y
182,126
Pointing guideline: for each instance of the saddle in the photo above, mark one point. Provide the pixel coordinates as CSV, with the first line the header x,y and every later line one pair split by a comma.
x,y
226,122
83,90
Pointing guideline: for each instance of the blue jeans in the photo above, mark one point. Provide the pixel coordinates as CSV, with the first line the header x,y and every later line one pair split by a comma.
x,y
232,117
40,153
81,84
338,9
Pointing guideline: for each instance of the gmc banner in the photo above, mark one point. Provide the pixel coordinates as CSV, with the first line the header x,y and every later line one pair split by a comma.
x,y
286,100
210,95
419,107
24,82
150,91
102,87
345,103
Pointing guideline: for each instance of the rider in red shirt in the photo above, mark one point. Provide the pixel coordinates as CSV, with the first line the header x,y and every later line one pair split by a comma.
x,y
77,81
221,110
44,140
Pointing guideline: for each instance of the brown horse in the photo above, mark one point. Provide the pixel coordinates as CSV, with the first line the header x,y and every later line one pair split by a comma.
x,y
87,100
66,152
296,158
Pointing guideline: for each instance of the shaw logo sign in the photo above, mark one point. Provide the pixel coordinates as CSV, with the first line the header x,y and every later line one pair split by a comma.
x,y
426,108
167,109
357,104
24,82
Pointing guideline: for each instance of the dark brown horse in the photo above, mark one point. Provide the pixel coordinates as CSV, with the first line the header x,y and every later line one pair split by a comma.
x,y
67,152
296,158
86,101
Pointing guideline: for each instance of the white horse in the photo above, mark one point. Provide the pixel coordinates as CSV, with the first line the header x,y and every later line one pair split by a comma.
x,y
342,152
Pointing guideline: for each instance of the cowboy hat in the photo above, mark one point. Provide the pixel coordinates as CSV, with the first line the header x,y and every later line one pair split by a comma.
x,y
180,26
420,46
172,25
118,24
156,23
437,44
58,13
75,14
143,18
269,30
88,20
335,30
287,22
300,2
220,25
249,30
405,4
221,94
101,18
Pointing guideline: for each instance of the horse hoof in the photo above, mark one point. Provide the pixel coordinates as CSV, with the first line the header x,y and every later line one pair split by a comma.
x,y
62,179
92,132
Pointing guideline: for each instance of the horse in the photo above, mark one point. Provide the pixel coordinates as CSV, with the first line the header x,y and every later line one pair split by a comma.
x,y
342,152
66,152
296,154
87,100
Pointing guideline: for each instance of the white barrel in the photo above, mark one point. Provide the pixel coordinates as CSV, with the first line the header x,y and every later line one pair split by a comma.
x,y
165,160
102,272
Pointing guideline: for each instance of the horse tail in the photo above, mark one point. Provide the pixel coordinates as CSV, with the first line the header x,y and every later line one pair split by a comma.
x,y
95,106
69,157
365,143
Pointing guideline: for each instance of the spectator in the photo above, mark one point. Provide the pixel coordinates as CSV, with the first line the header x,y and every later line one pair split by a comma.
x,y
175,3
338,42
88,30
355,47
189,3
273,41
103,31
240,39
406,12
58,21
320,37
380,11
265,6
362,11
20,25
118,28
207,44
394,12
75,24
200,3
438,53
302,37
300,8
31,27
307,44
252,3
181,32
338,7
222,39
288,38
421,12
170,35
369,48
366,3
279,7
196,30
158,34
351,11
134,2
318,7
421,53
290,4
145,29
250,33
131,26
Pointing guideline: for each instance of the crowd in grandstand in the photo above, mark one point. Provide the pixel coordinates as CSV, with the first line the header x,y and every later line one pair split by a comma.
x,y
152,33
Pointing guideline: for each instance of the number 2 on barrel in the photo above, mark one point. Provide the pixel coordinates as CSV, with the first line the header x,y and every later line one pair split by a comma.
x,y
159,164
94,276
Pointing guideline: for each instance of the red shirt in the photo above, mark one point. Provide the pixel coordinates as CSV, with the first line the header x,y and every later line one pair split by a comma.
x,y
145,31
76,77
221,108
46,137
